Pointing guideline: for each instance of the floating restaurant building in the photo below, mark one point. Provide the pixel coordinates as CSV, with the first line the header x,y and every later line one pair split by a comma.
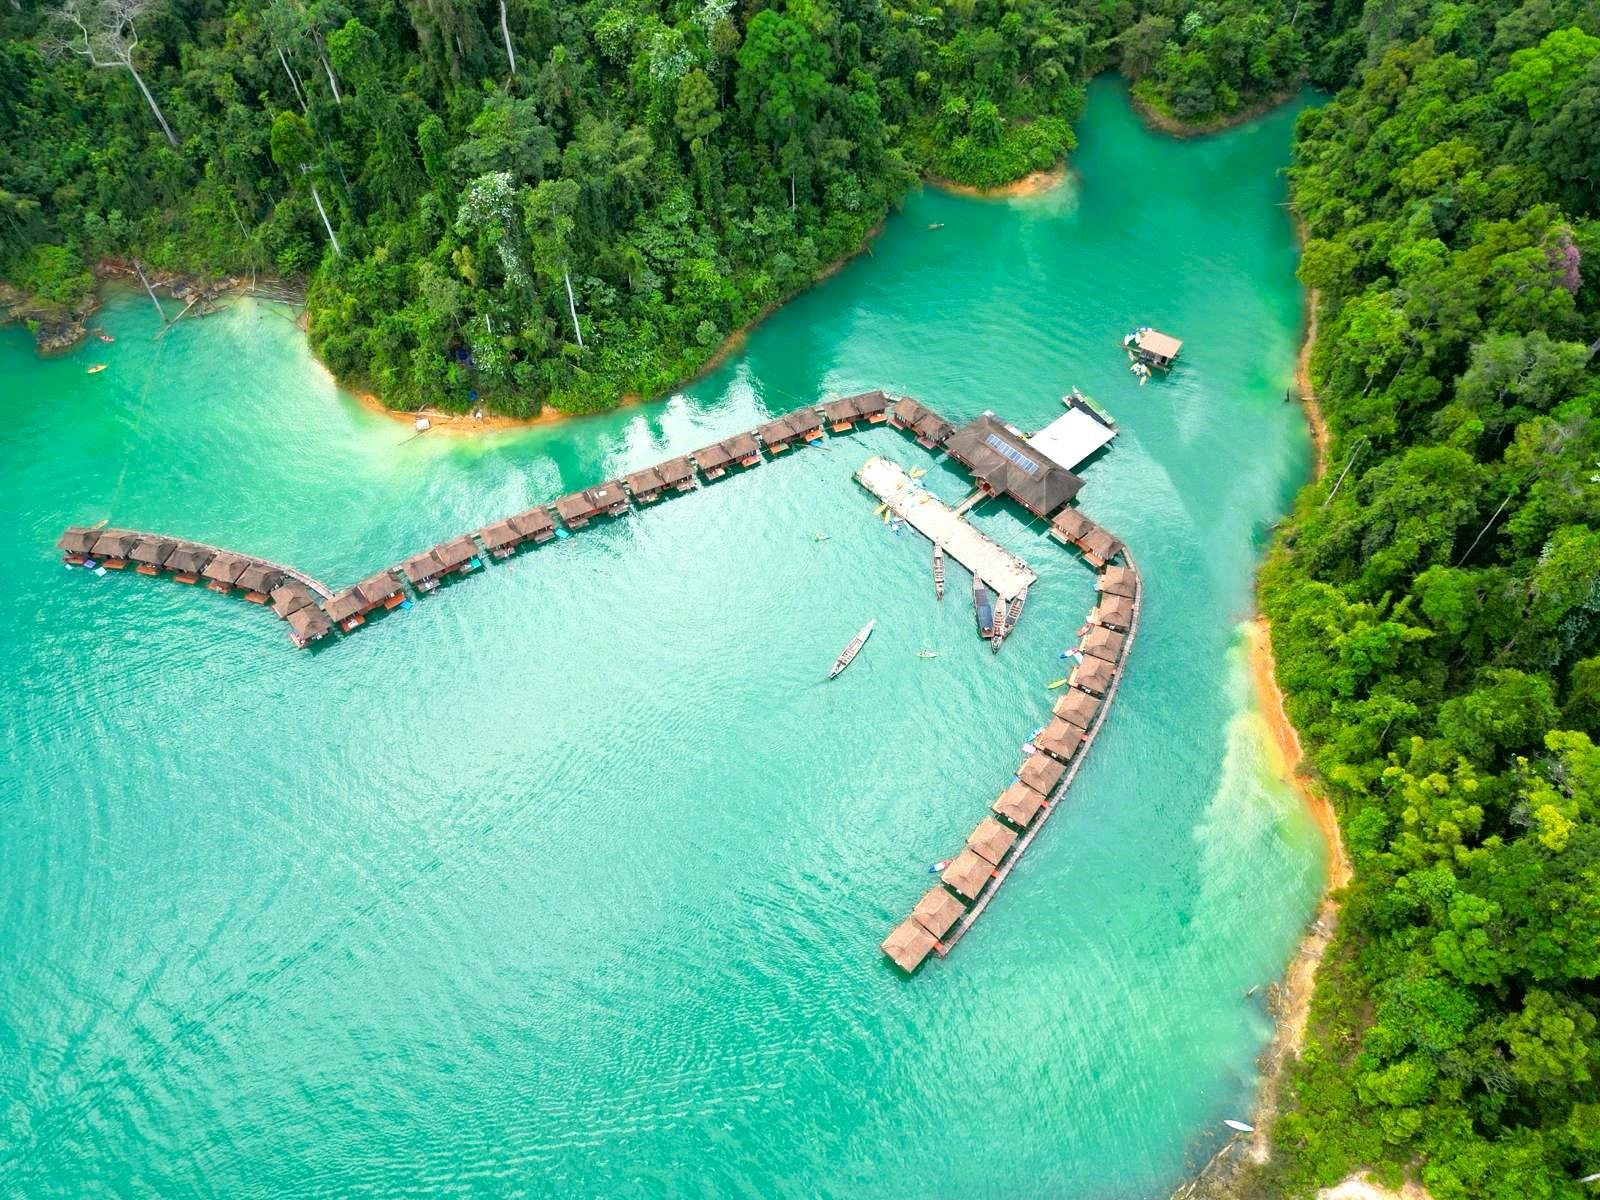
x,y
1005,464
1074,437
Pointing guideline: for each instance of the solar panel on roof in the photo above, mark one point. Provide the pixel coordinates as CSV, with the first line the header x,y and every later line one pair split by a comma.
x,y
1012,453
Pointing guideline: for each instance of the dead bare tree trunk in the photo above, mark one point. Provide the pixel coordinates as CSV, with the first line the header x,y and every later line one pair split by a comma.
x,y
572,307
293,82
326,224
505,32
332,82
138,270
104,33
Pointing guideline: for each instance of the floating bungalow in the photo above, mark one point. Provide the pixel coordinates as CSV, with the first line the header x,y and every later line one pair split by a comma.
x,y
151,553
803,425
1076,707
1099,547
535,525
348,609
289,598
188,561
308,624
113,546
1114,612
500,539
423,571
842,415
1118,581
928,427
1059,739
908,944
77,543
1101,642
1072,528
1153,347
258,581
1041,773
457,556
744,448
1002,462
1019,804
224,570
1093,675
991,839
968,873
579,508
714,460
646,486
937,911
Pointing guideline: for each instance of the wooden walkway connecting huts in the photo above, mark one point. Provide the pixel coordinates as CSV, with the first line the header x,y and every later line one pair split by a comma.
x,y
312,609
1041,782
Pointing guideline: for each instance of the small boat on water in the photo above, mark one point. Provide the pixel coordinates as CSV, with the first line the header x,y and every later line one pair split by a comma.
x,y
926,653
983,605
938,571
1238,1126
918,472
97,368
936,225
849,653
104,336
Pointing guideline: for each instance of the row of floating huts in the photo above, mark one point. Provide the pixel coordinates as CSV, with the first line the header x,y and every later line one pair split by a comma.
x,y
313,611
948,909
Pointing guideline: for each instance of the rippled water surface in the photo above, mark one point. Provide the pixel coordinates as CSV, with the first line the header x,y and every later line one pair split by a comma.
x,y
570,880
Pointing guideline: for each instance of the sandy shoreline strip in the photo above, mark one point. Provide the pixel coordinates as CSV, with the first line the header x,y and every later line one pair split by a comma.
x,y
1035,183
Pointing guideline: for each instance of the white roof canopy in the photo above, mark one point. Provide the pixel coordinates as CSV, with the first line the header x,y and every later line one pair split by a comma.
x,y
1071,438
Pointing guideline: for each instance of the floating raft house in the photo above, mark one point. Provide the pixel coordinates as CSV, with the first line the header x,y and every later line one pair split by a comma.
x,y
1003,463
928,427
348,609
1154,347
991,840
224,570
257,581
842,414
969,873
1076,706
1041,773
188,561
1118,581
1114,612
579,508
500,539
1018,804
937,911
714,460
77,542
908,944
1101,642
113,546
535,524
307,625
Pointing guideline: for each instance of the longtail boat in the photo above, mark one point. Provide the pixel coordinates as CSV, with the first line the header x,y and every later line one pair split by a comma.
x,y
983,604
854,648
938,572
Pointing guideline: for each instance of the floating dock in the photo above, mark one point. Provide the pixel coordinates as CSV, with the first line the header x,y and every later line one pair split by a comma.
x,y
1003,572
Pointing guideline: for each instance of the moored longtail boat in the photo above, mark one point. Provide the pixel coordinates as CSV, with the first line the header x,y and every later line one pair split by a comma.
x,y
938,572
848,656
983,605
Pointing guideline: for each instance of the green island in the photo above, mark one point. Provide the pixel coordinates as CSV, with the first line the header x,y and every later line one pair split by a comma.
x,y
524,206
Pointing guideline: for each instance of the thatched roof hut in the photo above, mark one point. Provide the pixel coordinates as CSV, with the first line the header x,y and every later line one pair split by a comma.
x,y
714,460
115,544
152,551
908,944
1076,707
1118,581
1099,547
289,598
1019,804
78,539
968,873
991,839
931,430
259,578
1069,525
776,434
644,485
376,589
937,911
1113,611
1093,675
1101,642
1059,738
744,449
189,559
345,604
307,624
500,539
456,553
422,568
677,473
1041,773
225,568
535,523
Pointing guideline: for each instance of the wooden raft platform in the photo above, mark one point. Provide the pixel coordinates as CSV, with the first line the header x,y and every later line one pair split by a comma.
x,y
1003,572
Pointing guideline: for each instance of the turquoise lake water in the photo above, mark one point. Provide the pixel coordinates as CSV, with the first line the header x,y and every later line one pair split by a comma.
x,y
570,880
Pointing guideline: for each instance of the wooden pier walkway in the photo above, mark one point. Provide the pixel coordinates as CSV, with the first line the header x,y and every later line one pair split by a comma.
x,y
1003,572
1003,871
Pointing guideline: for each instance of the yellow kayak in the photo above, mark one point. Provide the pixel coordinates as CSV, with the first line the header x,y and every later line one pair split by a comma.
x,y
1056,684
97,368
918,472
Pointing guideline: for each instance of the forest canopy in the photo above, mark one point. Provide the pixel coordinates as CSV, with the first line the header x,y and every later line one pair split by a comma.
x,y
516,203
